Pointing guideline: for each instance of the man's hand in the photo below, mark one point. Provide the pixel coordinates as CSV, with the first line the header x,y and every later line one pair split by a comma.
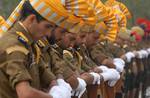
x,y
24,90
80,89
108,63
97,70
53,83
97,78
87,77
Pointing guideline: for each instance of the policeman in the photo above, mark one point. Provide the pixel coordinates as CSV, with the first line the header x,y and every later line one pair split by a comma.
x,y
22,68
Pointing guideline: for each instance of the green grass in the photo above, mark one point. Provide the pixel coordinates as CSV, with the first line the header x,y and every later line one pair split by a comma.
x,y
7,7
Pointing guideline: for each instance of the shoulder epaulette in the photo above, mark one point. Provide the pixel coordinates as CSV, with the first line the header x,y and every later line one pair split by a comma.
x,y
17,48
22,38
67,52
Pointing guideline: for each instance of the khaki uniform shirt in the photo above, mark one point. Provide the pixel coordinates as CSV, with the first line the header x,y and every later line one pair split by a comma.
x,y
58,64
86,57
74,57
20,61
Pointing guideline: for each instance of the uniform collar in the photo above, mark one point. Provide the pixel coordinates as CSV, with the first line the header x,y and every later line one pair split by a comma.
x,y
19,27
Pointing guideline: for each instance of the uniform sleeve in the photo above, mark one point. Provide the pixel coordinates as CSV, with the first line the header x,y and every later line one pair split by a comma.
x,y
60,67
15,68
46,75
68,57
123,21
118,51
97,55
85,67
56,63
74,65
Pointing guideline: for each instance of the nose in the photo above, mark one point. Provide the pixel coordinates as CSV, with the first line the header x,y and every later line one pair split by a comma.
x,y
48,34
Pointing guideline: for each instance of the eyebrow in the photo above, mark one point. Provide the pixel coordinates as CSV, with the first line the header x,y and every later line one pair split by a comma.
x,y
50,25
63,31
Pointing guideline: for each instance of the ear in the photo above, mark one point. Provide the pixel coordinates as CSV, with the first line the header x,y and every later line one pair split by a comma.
x,y
32,18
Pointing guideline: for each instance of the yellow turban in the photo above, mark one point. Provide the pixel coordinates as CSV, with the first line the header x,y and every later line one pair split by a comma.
x,y
80,9
121,20
109,25
76,28
120,17
51,10
105,15
120,6
93,11
2,20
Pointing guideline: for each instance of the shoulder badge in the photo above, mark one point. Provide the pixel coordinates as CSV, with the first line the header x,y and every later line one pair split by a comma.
x,y
22,38
17,48
67,52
